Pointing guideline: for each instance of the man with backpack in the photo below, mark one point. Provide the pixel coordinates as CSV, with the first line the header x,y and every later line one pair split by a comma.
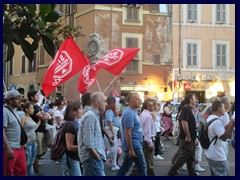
x,y
215,154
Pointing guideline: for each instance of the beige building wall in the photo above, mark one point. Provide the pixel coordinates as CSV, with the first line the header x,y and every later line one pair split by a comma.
x,y
205,33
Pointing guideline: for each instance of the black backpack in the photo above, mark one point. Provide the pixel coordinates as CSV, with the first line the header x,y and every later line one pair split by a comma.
x,y
203,134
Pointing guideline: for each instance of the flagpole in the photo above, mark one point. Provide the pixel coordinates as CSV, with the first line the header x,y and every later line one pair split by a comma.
x,y
98,86
5,89
110,84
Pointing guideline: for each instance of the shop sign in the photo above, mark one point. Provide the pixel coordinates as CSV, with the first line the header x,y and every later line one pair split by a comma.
x,y
134,88
198,77
187,86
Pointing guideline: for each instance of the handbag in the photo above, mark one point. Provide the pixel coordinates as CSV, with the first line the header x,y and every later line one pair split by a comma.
x,y
24,137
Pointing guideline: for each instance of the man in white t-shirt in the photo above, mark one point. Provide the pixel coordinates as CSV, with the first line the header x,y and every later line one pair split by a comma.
x,y
215,154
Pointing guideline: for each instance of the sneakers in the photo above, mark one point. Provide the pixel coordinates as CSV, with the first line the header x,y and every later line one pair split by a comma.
x,y
184,167
199,168
115,168
58,162
158,157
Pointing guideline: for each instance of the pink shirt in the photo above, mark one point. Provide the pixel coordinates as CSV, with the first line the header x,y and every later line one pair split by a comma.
x,y
148,126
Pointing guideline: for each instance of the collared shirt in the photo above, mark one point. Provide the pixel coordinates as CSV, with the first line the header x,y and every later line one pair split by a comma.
x,y
148,126
90,136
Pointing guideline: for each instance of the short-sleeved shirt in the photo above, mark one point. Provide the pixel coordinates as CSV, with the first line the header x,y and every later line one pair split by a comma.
x,y
130,119
90,135
111,116
216,151
69,127
12,128
42,126
188,116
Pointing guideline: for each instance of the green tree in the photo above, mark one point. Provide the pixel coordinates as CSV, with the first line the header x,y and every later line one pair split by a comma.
x,y
37,22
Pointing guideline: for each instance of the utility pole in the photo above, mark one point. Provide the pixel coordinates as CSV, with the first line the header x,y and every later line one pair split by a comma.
x,y
179,41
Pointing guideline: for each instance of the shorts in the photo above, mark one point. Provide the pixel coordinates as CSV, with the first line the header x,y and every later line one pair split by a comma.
x,y
41,143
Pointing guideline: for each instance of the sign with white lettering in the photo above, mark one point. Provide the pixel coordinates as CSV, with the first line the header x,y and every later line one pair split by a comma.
x,y
198,77
134,88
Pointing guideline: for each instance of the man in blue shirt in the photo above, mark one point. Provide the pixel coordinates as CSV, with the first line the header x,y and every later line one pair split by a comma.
x,y
132,138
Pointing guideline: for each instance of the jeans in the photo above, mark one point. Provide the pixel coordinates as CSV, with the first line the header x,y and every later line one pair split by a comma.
x,y
139,161
31,152
93,167
70,167
218,168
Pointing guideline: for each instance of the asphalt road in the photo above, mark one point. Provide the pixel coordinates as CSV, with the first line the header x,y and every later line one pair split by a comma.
x,y
161,167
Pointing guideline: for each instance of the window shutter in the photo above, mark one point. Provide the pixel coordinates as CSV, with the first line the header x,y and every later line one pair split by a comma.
x,y
23,64
156,59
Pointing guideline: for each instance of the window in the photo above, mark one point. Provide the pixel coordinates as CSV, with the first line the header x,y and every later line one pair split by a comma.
x,y
133,66
32,64
191,55
70,9
10,67
163,8
156,59
132,13
221,13
23,64
221,55
60,7
42,55
192,12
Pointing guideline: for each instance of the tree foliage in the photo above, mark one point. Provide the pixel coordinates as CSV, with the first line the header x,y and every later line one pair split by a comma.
x,y
37,23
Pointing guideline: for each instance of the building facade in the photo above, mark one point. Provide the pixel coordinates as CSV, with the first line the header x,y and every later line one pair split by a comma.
x,y
183,48
147,27
204,50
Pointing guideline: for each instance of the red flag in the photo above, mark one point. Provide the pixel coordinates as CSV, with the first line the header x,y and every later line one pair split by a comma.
x,y
117,59
67,62
87,78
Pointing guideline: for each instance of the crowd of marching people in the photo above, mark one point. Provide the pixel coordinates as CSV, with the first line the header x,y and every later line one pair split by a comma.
x,y
97,129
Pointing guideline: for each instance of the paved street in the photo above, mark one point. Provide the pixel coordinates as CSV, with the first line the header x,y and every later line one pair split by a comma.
x,y
50,168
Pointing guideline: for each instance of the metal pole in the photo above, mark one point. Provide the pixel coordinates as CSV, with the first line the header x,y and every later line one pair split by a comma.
x,y
179,50
110,84
98,86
